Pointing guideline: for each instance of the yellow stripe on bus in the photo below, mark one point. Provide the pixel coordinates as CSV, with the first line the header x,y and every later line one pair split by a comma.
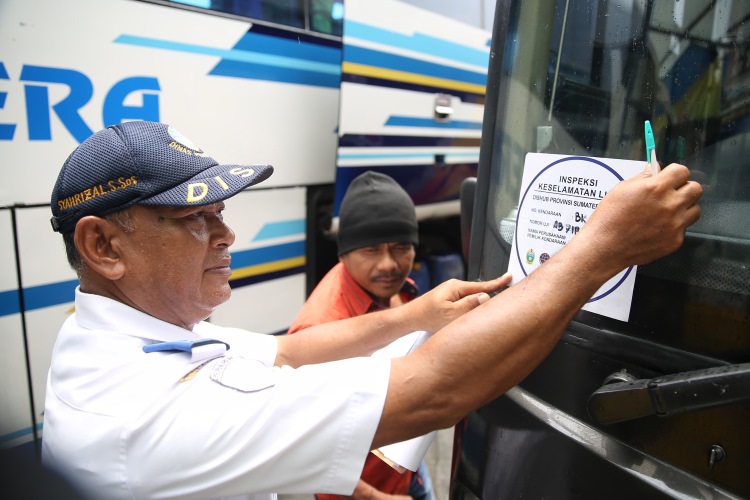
x,y
403,76
269,267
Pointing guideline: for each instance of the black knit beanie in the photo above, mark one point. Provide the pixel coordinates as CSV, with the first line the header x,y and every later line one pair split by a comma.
x,y
375,210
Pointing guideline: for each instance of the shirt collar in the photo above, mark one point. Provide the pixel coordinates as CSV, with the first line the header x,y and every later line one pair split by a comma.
x,y
96,312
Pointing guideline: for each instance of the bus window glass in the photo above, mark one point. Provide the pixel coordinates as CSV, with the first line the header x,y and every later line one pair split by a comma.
x,y
584,85
327,16
285,12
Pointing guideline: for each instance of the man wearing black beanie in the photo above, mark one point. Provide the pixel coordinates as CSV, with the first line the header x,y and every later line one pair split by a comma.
x,y
375,210
377,236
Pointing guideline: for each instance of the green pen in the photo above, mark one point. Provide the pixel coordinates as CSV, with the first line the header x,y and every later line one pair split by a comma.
x,y
651,148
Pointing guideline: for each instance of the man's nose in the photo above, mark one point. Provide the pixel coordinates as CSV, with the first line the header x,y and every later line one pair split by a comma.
x,y
386,260
221,233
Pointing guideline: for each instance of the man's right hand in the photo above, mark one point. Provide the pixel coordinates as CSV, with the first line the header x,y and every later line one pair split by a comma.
x,y
644,217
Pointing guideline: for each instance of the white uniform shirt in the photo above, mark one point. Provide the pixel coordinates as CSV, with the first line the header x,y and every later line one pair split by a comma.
x,y
122,423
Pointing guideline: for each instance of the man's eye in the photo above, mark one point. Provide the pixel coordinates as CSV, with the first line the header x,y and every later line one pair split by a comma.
x,y
201,215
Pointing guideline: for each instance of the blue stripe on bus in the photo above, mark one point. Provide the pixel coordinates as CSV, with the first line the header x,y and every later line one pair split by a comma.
x,y
417,42
26,431
37,297
272,45
297,36
413,121
255,256
275,74
300,67
9,302
383,156
231,54
280,229
254,280
465,96
379,141
53,294
379,59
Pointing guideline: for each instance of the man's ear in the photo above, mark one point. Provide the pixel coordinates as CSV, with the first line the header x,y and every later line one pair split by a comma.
x,y
98,242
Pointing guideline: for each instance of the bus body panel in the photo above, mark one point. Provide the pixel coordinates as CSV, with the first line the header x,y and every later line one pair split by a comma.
x,y
195,71
401,65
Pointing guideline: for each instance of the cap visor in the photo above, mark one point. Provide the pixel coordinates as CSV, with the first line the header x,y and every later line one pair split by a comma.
x,y
212,185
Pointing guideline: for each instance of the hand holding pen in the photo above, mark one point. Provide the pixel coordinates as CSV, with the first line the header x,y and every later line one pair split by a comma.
x,y
651,148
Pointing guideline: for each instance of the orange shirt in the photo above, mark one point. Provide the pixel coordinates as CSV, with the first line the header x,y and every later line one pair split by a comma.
x,y
336,297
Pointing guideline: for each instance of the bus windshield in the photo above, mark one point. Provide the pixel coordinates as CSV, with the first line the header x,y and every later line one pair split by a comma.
x,y
580,78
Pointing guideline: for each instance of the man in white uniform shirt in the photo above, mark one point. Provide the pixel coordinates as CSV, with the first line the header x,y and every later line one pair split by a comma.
x,y
147,400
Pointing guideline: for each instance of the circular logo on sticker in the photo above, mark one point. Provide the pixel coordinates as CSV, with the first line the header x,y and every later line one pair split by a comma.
x,y
543,258
530,256
178,137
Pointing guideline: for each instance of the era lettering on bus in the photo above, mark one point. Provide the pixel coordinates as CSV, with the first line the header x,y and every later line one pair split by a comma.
x,y
39,109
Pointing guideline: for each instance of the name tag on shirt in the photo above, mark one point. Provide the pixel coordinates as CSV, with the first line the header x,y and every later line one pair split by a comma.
x,y
246,375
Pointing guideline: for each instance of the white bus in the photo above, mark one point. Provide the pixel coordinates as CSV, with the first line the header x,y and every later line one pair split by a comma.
x,y
321,90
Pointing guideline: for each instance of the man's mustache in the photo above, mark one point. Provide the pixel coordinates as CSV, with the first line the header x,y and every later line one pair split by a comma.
x,y
388,276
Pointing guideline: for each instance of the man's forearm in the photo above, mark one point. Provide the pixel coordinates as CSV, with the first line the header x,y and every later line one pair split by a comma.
x,y
481,355
363,335
347,338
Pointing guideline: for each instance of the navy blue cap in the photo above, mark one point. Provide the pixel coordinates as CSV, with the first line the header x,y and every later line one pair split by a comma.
x,y
142,163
